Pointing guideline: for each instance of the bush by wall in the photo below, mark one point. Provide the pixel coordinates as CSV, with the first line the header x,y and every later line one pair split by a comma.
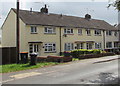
x,y
77,53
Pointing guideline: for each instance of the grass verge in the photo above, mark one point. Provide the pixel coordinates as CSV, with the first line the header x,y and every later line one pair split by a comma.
x,y
18,67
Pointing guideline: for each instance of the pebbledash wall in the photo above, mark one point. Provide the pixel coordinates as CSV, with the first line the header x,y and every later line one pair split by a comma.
x,y
26,37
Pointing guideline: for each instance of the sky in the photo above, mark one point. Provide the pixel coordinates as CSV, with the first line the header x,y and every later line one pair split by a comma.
x,y
96,8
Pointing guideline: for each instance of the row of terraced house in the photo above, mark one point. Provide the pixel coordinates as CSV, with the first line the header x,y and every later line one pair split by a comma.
x,y
50,34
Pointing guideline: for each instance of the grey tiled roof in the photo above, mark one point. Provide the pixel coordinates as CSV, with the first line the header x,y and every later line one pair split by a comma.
x,y
38,18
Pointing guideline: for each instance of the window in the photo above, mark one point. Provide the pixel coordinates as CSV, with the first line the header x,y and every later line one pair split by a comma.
x,y
97,32
116,44
80,46
115,33
80,31
49,30
98,45
33,29
33,48
68,46
88,32
50,47
109,33
68,31
89,45
109,45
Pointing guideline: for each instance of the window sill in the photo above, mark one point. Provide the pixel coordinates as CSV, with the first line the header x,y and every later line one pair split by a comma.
x,y
88,35
98,35
68,34
50,33
34,33
80,34
50,52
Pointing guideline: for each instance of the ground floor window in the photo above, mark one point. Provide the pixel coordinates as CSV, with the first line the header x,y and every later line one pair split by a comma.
x,y
33,48
89,45
109,45
98,46
50,47
80,46
116,44
68,46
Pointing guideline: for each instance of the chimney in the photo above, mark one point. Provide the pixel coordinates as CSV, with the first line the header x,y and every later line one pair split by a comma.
x,y
44,9
87,16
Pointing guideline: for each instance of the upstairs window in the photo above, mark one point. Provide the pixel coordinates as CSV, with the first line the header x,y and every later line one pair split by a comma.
x,y
109,33
88,32
80,31
115,33
97,32
33,29
68,31
49,30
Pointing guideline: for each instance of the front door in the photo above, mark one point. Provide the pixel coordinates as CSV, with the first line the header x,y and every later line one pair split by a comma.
x,y
34,48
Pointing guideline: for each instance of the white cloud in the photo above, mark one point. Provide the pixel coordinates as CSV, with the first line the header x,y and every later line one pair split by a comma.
x,y
57,0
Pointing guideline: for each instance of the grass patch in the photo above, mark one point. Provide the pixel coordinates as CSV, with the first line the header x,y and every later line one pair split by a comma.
x,y
18,67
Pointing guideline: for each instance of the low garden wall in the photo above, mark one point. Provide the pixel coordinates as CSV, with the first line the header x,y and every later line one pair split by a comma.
x,y
54,59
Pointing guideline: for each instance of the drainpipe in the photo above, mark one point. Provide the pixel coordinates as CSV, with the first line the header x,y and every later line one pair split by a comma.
x,y
104,39
60,42
17,33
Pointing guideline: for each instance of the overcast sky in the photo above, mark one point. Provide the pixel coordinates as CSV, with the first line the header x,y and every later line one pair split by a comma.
x,y
96,8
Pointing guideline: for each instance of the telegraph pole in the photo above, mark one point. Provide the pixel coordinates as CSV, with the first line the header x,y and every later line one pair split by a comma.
x,y
17,33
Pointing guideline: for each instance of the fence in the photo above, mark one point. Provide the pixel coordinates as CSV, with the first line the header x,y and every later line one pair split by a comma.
x,y
8,55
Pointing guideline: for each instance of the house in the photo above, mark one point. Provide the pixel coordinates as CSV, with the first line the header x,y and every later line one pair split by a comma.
x,y
50,34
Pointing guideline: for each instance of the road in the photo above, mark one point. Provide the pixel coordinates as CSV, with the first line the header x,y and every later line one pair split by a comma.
x,y
98,70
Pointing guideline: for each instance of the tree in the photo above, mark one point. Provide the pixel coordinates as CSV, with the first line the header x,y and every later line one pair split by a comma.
x,y
115,4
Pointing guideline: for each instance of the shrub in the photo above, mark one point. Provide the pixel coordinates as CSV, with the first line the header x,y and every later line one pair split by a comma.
x,y
97,51
77,53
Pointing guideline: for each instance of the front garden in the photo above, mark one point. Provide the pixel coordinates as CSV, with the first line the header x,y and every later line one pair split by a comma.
x,y
67,56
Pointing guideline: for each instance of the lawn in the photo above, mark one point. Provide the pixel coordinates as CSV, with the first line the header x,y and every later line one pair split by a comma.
x,y
18,67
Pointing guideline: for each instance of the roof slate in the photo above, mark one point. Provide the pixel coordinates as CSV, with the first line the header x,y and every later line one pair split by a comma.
x,y
38,18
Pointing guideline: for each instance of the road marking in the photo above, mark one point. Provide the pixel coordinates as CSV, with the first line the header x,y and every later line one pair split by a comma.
x,y
24,75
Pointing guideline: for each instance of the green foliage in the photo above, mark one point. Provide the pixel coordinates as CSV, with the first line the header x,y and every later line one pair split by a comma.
x,y
78,52
18,67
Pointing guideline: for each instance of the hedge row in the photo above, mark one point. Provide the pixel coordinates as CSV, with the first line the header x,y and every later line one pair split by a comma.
x,y
77,53
87,56
54,59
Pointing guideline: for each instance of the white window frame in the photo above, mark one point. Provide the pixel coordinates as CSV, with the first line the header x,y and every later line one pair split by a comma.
x,y
68,46
68,31
49,30
33,48
109,33
98,45
80,46
97,32
107,45
116,44
33,29
50,47
115,33
80,31
89,45
88,32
